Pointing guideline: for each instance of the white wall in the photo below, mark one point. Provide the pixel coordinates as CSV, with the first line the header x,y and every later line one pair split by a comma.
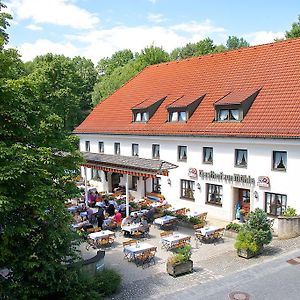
x,y
259,164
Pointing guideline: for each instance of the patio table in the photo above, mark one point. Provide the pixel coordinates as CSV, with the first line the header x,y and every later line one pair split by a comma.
x,y
138,248
164,220
101,234
207,231
172,241
132,227
139,213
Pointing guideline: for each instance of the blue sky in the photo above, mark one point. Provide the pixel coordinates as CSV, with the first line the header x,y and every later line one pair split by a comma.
x,y
98,28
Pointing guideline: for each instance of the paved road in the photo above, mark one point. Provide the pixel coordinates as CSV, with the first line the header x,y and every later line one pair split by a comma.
x,y
275,279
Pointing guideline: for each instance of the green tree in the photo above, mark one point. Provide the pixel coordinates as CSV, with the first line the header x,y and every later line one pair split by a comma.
x,y
65,86
4,23
295,30
38,162
234,42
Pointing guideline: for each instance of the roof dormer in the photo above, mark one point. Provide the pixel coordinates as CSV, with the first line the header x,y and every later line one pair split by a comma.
x,y
183,108
143,112
234,106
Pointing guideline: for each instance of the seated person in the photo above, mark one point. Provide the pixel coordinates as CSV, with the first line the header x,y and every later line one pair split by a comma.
x,y
113,202
144,224
117,217
150,214
126,221
111,210
136,219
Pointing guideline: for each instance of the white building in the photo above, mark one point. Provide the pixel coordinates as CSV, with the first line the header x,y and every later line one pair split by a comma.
x,y
229,121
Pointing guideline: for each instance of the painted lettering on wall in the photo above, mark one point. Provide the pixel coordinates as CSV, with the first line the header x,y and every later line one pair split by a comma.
x,y
225,177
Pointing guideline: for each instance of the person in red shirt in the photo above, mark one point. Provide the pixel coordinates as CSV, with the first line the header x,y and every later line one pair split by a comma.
x,y
117,217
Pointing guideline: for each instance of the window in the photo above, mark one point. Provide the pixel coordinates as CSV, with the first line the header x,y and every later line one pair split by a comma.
x,y
141,117
187,189
228,115
96,174
155,151
117,149
279,160
101,147
182,153
135,150
275,204
214,194
156,185
241,158
207,155
134,183
178,116
87,146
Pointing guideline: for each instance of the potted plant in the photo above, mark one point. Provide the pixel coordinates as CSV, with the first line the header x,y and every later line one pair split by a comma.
x,y
180,262
254,234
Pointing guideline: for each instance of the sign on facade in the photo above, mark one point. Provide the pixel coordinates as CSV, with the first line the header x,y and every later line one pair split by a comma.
x,y
193,173
263,181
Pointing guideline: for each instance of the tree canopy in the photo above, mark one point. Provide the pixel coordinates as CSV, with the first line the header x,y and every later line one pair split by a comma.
x,y
295,30
234,42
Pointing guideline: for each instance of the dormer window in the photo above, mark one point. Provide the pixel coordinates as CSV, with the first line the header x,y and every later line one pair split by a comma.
x,y
141,117
228,115
178,116
144,111
234,106
183,108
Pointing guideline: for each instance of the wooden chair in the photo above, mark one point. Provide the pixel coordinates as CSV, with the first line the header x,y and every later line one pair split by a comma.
x,y
145,258
171,225
198,226
199,237
218,235
103,242
166,233
203,217
129,243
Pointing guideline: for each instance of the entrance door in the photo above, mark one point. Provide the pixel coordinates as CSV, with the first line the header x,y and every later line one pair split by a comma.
x,y
115,180
244,198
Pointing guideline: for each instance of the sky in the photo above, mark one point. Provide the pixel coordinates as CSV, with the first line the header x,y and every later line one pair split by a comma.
x,y
98,28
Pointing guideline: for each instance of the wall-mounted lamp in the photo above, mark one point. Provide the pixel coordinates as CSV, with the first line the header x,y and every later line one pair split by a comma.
x,y
256,195
169,181
198,186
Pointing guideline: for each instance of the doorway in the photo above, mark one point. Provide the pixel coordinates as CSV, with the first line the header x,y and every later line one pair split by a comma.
x,y
241,201
115,180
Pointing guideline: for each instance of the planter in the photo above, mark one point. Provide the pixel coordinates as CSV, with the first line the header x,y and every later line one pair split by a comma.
x,y
230,234
245,253
183,268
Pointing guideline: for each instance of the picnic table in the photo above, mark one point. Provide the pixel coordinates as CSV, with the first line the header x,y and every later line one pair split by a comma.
x,y
131,228
164,220
140,213
175,240
101,234
140,253
102,238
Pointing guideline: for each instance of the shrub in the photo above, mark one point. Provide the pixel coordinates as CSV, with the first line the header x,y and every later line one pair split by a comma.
x,y
182,255
195,220
182,218
290,212
234,227
245,240
107,282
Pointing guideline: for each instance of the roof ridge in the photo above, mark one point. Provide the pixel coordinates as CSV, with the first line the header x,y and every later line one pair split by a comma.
x,y
271,44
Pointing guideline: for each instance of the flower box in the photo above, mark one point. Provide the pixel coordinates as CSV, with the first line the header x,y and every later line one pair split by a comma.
x,y
178,269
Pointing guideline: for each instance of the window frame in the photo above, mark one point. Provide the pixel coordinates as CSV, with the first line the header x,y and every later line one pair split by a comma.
x,y
156,185
269,207
144,116
236,157
135,150
187,189
274,152
153,151
209,193
117,148
178,117
95,175
230,110
101,147
87,146
179,153
204,161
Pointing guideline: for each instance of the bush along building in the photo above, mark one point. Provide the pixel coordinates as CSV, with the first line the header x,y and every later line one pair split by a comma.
x,y
212,133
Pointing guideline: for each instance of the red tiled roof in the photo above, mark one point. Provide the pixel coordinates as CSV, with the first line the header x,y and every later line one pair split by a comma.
x,y
236,97
275,68
185,100
147,102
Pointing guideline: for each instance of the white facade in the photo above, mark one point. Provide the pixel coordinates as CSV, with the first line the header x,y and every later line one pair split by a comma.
x,y
259,163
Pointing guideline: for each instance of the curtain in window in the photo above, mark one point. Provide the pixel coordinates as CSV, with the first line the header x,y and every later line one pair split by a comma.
x,y
234,114
138,117
208,155
182,153
241,158
182,116
223,114
156,151
145,116
280,160
174,116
